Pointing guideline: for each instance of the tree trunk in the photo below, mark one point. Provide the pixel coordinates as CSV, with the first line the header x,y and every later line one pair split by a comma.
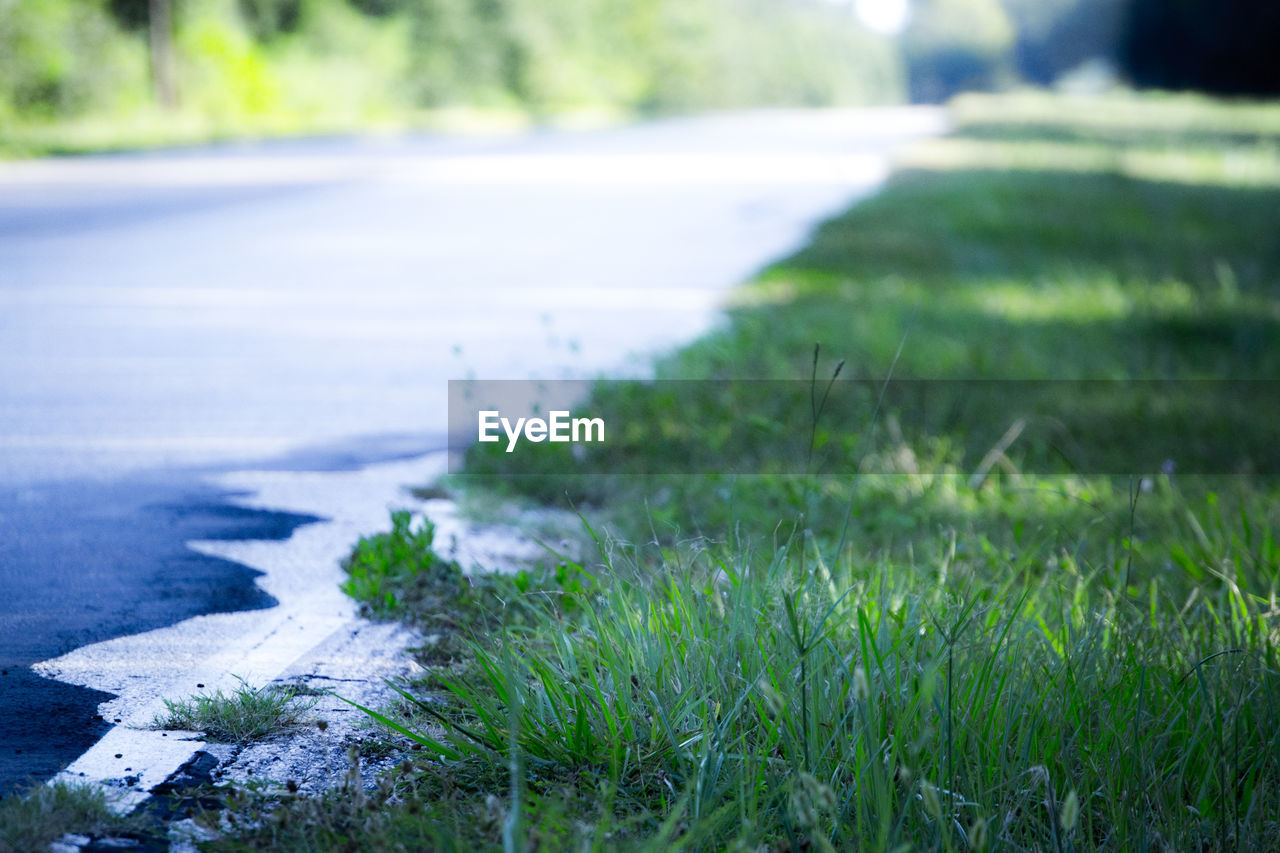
x,y
163,83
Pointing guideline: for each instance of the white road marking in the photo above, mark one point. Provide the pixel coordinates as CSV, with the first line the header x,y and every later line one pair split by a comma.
x,y
303,573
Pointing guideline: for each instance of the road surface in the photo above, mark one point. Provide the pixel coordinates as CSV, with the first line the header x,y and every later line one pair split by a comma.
x,y
302,304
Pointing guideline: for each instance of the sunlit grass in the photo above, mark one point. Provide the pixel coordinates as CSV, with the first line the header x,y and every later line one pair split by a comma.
x,y
1034,649
1179,139
1179,116
1221,165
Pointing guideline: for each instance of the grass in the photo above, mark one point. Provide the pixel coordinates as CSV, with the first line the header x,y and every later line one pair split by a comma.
x,y
397,575
914,658
246,714
715,697
35,818
154,129
1037,269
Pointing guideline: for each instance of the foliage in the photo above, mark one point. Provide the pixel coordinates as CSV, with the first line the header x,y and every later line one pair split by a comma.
x,y
397,575
654,55
58,58
386,569
953,46
1222,47
74,74
288,65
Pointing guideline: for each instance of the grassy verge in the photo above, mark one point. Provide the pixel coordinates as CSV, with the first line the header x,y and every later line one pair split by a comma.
x,y
35,818
915,658
992,255
154,129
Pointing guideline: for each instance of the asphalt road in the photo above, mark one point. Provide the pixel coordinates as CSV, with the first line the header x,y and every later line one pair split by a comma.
x,y
303,304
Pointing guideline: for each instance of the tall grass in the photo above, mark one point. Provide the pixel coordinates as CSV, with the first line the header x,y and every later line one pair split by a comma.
x,y
737,699
32,819
1005,662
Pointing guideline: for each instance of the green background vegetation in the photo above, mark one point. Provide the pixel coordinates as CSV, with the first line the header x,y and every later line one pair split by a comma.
x,y
78,74
1050,238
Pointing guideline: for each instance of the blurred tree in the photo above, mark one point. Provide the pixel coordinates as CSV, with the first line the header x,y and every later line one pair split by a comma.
x,y
380,8
59,58
156,17
267,19
647,54
1220,46
1056,36
293,59
163,76
956,45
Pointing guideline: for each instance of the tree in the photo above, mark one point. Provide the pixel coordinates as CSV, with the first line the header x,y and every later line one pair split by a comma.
x,y
956,45
1056,36
163,77
1220,46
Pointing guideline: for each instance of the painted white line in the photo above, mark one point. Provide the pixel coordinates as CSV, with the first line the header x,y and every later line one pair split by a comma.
x,y
303,573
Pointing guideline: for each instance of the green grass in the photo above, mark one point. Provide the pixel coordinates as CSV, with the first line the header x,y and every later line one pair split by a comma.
x,y
1023,265
153,128
32,819
916,658
246,714
720,697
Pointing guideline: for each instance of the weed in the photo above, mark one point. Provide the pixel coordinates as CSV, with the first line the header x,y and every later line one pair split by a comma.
x,y
388,569
244,715
32,819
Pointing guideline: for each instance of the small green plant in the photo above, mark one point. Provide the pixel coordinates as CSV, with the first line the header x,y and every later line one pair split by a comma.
x,y
35,817
246,714
386,569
